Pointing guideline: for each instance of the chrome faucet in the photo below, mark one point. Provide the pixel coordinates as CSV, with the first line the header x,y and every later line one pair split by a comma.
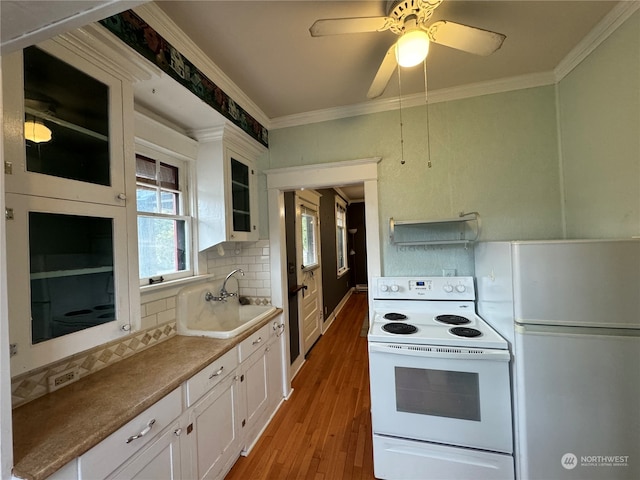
x,y
210,297
223,290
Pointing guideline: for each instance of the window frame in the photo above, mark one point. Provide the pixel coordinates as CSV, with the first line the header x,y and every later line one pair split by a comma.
x,y
341,204
314,211
184,204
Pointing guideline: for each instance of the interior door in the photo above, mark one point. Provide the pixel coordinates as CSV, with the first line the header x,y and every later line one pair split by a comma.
x,y
308,268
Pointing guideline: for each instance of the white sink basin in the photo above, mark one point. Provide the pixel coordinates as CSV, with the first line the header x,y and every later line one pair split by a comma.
x,y
215,319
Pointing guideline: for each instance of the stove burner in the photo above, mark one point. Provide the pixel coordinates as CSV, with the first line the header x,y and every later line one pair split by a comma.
x,y
452,319
399,328
465,332
395,316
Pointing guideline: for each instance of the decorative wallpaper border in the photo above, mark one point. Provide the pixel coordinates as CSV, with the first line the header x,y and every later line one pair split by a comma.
x,y
136,33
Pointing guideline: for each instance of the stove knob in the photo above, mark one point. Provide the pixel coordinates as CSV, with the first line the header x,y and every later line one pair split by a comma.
x,y
448,288
395,288
383,288
460,288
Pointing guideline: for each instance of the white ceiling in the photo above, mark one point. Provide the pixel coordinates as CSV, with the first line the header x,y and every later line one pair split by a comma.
x,y
265,47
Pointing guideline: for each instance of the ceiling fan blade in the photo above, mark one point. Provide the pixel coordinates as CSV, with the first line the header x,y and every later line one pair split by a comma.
x,y
387,67
338,26
462,37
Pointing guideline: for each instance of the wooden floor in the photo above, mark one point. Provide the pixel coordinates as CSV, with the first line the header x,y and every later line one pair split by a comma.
x,y
323,431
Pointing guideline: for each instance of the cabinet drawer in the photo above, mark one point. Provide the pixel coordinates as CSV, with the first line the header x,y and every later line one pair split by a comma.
x,y
254,342
211,375
114,450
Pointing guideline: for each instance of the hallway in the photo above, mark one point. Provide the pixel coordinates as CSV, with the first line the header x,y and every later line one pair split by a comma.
x,y
323,431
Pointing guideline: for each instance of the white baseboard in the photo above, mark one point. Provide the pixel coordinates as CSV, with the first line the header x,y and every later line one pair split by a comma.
x,y
336,311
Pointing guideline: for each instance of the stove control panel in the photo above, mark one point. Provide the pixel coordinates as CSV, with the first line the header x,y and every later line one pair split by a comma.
x,y
424,288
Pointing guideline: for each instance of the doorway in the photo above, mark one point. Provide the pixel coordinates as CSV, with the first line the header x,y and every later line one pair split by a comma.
x,y
308,267
319,176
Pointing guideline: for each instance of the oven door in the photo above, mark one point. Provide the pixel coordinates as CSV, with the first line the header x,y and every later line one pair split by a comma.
x,y
447,395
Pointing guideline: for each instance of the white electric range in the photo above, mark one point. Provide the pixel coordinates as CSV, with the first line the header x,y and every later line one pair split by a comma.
x,y
440,388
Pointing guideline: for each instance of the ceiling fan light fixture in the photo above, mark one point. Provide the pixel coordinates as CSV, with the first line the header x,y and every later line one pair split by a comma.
x,y
36,131
412,48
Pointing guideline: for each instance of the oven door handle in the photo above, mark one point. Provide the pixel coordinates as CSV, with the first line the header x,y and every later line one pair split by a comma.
x,y
433,351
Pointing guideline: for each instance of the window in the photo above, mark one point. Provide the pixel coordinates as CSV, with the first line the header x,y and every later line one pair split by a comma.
x,y
309,231
341,235
164,225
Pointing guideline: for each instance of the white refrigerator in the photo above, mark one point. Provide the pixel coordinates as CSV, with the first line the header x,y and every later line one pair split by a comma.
x,y
571,312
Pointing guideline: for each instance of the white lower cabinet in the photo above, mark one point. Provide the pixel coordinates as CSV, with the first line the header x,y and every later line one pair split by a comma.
x,y
103,459
200,429
161,459
213,433
263,390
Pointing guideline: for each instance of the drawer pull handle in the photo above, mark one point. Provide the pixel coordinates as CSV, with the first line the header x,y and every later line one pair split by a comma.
x,y
216,374
256,342
146,430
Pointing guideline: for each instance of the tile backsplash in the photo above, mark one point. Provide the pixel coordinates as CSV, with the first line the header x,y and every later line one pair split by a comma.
x,y
34,383
158,319
253,259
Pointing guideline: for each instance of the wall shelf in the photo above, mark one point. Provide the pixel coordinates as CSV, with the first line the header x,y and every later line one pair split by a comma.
x,y
463,229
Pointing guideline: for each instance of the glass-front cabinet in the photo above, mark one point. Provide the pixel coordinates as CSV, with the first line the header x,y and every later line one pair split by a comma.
x,y
68,277
227,191
241,183
73,139
66,220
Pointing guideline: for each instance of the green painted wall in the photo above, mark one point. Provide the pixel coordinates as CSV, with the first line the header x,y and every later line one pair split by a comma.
x,y
495,154
501,155
599,107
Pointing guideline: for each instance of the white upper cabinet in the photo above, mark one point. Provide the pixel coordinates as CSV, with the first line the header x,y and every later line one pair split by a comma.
x,y
72,145
69,169
227,188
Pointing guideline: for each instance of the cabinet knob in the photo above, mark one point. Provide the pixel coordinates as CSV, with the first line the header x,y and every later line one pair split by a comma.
x,y
122,196
177,432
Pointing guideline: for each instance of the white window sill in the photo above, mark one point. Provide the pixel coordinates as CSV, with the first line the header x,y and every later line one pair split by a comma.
x,y
169,288
343,272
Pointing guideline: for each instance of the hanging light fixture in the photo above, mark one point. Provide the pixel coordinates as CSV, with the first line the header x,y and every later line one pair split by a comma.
x,y
412,47
36,131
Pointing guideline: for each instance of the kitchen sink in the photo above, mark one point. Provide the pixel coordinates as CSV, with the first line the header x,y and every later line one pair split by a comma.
x,y
215,318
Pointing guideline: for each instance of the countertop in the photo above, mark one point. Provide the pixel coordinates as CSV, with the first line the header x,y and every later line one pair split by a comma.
x,y
54,429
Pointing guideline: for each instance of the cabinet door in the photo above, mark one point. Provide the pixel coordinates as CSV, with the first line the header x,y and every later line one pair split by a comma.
x,y
160,460
275,372
63,126
68,267
214,431
241,202
256,391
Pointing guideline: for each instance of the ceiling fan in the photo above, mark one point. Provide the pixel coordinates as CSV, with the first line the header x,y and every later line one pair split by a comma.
x,y
409,18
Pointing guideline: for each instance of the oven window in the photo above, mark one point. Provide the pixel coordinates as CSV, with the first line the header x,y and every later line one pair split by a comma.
x,y
442,393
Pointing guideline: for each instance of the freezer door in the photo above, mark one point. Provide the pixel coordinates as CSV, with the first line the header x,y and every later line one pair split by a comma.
x,y
577,409
588,282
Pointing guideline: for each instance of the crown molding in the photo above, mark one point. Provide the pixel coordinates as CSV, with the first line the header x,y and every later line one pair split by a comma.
x,y
167,28
609,24
232,134
99,46
436,96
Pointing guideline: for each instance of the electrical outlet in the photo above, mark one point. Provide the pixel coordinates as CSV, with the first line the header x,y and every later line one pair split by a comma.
x,y
64,378
448,272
